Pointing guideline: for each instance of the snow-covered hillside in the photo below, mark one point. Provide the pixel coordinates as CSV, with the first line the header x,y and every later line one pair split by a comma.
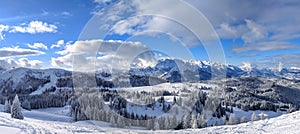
x,y
25,80
55,120
287,123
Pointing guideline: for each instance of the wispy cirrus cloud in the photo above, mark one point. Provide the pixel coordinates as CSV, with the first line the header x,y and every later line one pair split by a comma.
x,y
284,60
3,28
265,46
66,14
249,55
11,52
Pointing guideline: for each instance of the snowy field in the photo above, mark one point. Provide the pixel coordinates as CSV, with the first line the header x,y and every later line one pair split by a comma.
x,y
55,120
171,87
287,123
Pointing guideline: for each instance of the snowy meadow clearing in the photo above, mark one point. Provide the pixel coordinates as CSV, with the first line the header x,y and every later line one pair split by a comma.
x,y
42,121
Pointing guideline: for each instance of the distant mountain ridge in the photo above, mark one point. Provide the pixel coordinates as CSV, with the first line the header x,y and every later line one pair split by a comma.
x,y
25,80
175,70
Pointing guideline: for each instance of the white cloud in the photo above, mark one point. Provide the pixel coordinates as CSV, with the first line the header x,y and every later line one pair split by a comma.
x,y
265,46
256,37
58,44
149,25
99,46
255,33
249,55
62,61
135,17
230,32
89,55
277,22
45,13
2,29
65,13
10,52
281,60
250,32
21,62
102,1
38,46
34,27
24,62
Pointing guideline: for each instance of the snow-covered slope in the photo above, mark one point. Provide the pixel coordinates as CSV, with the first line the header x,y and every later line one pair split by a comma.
x,y
39,121
36,81
287,123
25,80
2,69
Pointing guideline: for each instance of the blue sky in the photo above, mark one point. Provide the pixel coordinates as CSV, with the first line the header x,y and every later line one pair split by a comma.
x,y
50,33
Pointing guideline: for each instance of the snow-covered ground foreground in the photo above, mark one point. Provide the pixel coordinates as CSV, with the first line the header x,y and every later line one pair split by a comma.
x,y
51,121
31,125
287,123
9,130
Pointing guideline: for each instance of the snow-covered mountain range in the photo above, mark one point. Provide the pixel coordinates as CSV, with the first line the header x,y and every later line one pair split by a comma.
x,y
175,70
25,80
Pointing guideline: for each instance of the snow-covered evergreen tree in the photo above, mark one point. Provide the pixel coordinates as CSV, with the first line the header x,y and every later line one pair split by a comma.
x,y
186,120
7,107
253,117
150,124
243,119
108,116
120,121
223,118
156,125
161,122
89,113
194,125
174,100
110,101
193,118
112,120
26,105
176,110
262,116
16,110
232,119
167,122
164,107
174,122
